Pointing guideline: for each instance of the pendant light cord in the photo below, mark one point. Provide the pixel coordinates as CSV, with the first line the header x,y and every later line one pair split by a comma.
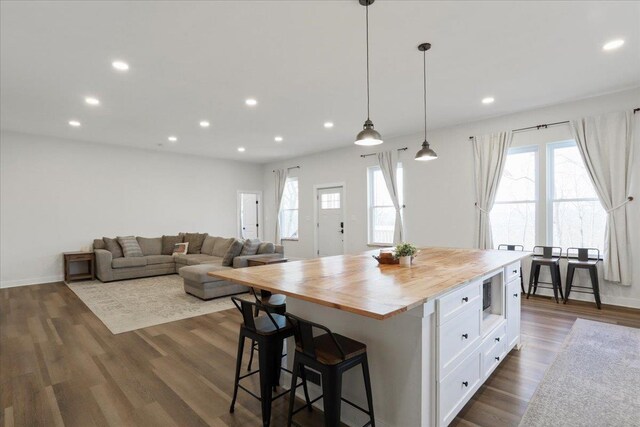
x,y
424,63
367,29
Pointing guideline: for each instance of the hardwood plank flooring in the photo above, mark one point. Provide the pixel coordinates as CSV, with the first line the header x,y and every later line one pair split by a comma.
x,y
60,366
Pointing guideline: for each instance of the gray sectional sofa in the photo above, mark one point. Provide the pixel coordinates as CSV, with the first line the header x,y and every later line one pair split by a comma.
x,y
209,253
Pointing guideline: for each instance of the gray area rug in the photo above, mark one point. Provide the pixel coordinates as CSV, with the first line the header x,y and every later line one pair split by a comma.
x,y
594,381
128,305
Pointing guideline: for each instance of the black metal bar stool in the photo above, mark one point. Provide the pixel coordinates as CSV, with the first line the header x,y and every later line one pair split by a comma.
x,y
331,355
583,258
505,247
274,303
269,332
548,256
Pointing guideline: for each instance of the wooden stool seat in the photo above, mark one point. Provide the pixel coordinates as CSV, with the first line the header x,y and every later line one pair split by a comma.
x,y
264,325
584,264
546,261
274,300
327,352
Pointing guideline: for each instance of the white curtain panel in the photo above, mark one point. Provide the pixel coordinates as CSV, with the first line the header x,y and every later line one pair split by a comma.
x,y
388,161
489,155
281,180
605,143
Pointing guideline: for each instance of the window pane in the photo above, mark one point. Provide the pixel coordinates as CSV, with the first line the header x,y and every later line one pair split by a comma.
x,y
570,178
383,222
514,224
289,224
519,178
578,224
330,201
380,193
290,195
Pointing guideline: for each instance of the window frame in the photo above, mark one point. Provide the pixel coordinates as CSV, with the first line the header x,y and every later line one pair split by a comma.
x,y
370,197
282,209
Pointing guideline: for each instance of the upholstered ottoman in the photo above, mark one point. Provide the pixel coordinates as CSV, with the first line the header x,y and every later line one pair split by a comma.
x,y
198,283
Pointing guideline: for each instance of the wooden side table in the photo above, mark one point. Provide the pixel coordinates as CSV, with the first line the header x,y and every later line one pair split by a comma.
x,y
79,256
254,262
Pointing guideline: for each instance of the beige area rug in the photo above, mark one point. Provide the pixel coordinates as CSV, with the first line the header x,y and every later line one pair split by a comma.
x,y
593,382
128,305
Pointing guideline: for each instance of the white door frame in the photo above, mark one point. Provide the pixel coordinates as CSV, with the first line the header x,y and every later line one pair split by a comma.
x,y
258,193
343,204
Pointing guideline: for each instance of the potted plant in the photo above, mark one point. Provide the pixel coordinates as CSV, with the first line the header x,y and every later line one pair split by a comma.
x,y
405,253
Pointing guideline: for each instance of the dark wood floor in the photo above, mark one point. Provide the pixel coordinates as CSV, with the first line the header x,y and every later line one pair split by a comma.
x,y
59,365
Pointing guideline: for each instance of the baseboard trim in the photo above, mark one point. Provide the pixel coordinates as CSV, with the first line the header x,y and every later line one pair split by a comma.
x,y
32,281
606,299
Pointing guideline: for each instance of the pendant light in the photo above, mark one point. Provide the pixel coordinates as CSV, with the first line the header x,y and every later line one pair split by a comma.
x,y
368,135
425,153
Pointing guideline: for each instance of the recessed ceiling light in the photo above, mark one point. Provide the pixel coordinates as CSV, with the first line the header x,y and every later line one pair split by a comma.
x,y
205,124
488,100
92,101
278,139
241,149
74,123
328,125
173,138
251,102
613,44
120,65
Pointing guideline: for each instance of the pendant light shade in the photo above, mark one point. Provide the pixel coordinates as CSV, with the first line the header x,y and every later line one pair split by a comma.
x,y
425,153
368,135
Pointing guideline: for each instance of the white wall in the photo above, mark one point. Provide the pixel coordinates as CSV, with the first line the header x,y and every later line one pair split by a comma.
x,y
58,195
439,195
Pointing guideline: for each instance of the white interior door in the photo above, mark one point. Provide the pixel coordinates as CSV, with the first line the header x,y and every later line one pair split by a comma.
x,y
249,215
330,221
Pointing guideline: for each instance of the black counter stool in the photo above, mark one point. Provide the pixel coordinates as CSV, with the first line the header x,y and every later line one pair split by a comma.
x,y
274,303
520,248
269,332
548,256
583,258
331,355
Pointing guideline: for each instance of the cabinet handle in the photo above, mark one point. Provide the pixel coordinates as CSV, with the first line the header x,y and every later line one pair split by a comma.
x,y
465,299
465,383
515,295
514,271
465,336
498,339
498,358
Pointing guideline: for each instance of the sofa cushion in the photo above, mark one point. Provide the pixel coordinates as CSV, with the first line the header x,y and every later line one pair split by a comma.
x,y
198,273
158,259
234,251
266,248
168,243
113,246
207,245
195,241
221,246
250,247
130,246
196,259
129,262
98,244
150,245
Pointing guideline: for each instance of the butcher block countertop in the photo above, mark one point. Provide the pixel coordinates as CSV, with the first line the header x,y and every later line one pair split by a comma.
x,y
357,284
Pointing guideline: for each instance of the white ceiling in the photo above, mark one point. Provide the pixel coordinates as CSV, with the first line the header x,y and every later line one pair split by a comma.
x,y
304,63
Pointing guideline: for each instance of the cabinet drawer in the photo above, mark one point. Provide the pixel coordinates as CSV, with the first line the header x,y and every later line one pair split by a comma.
x,y
494,356
498,335
458,336
512,272
456,389
80,257
449,306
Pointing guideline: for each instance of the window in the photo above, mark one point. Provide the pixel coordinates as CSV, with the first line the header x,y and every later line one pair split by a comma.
x,y
575,216
330,201
289,210
513,217
382,214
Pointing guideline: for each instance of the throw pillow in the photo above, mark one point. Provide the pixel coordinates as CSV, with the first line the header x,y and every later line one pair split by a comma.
x,y
221,246
207,245
195,241
98,244
150,245
250,247
233,251
130,246
113,246
181,248
266,248
168,242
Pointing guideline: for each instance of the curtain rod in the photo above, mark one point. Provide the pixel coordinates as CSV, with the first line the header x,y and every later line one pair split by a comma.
x,y
292,167
546,125
373,154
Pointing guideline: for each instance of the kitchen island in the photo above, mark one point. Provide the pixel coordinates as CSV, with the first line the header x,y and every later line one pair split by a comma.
x,y
434,331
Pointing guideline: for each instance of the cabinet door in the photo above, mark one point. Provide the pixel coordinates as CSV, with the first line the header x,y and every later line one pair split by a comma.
x,y
513,313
